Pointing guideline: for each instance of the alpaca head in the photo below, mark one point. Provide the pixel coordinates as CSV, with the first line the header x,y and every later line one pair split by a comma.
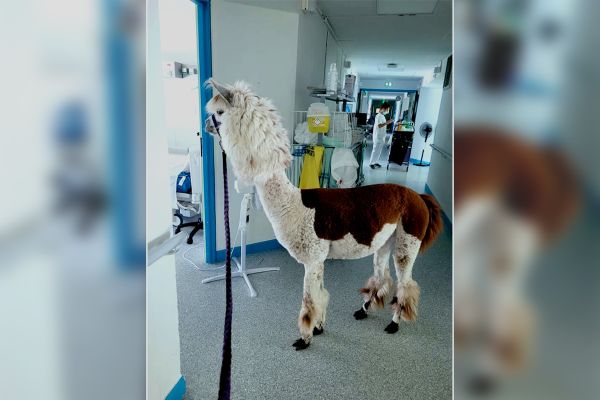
x,y
250,129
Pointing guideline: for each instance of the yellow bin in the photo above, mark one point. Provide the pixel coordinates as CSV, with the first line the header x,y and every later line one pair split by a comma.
x,y
318,123
317,118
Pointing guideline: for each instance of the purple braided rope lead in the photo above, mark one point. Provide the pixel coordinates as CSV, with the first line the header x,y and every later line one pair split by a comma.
x,y
225,377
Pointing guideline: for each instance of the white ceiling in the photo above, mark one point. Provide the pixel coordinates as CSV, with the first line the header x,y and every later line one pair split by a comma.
x,y
283,5
416,43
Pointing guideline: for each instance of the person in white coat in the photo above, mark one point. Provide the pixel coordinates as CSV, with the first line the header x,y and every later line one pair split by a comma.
x,y
379,134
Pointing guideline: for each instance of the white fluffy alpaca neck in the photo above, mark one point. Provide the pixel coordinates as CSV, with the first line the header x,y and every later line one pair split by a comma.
x,y
292,222
279,197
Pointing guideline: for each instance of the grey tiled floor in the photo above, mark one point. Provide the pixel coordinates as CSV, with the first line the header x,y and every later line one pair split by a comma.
x,y
351,360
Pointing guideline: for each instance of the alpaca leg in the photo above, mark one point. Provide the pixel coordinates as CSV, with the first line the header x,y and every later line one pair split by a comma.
x,y
314,299
406,301
379,286
324,299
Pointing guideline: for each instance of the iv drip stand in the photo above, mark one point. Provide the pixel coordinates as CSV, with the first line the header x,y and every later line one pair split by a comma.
x,y
242,271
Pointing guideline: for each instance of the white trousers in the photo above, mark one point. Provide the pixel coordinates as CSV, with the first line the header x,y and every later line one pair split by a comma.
x,y
376,153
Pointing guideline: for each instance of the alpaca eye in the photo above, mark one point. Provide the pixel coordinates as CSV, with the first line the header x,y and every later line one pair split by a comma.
x,y
220,112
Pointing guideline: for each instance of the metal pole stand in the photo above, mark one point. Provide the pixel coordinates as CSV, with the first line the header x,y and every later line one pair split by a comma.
x,y
242,271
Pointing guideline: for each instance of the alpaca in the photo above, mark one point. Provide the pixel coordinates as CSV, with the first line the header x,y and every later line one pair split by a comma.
x,y
318,224
512,199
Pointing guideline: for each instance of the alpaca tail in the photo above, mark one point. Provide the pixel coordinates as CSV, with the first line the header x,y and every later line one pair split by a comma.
x,y
434,227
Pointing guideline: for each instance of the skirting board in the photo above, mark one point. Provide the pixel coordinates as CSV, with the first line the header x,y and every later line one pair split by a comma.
x,y
251,248
178,390
414,161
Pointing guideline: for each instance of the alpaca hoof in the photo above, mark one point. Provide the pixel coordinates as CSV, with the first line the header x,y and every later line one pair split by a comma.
x,y
317,331
360,314
300,344
392,327
394,300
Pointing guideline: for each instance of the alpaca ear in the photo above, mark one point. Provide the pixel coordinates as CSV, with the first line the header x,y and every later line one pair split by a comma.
x,y
225,92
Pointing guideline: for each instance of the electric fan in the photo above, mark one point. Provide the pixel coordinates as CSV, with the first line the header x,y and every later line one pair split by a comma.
x,y
425,130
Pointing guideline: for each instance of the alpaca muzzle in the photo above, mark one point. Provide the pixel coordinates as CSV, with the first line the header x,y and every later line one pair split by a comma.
x,y
211,125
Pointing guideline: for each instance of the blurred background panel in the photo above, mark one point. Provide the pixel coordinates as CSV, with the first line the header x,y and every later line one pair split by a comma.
x,y
73,207
527,197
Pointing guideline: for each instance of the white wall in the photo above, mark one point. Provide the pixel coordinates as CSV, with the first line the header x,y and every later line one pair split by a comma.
x,y
163,356
257,45
178,41
310,70
163,327
427,111
158,204
440,171
317,49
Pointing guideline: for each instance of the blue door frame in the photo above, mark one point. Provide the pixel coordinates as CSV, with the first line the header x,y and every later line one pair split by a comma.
x,y
129,252
208,165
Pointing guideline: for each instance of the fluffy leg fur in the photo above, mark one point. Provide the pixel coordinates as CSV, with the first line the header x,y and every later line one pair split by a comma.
x,y
379,286
314,302
406,301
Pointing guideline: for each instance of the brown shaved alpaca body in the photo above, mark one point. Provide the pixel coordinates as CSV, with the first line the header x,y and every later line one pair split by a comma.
x,y
363,211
